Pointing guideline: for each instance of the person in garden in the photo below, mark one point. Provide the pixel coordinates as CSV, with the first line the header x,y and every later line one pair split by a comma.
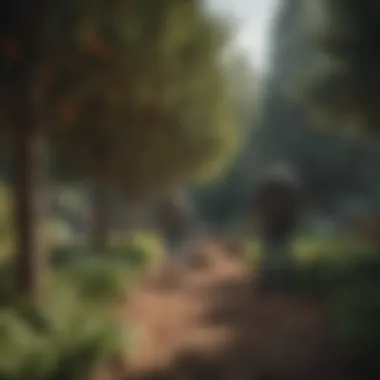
x,y
277,206
178,223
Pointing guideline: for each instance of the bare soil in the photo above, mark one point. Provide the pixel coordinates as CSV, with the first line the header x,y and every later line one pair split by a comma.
x,y
208,320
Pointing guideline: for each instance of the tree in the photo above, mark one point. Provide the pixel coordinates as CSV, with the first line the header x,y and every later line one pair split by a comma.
x,y
30,36
52,63
345,85
221,198
163,112
244,87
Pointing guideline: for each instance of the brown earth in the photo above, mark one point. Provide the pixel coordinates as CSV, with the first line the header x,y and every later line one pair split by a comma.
x,y
209,321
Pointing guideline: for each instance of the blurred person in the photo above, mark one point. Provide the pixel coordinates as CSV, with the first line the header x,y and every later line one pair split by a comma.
x,y
277,208
178,223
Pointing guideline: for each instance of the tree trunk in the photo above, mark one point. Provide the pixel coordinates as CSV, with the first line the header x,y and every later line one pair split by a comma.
x,y
100,214
28,165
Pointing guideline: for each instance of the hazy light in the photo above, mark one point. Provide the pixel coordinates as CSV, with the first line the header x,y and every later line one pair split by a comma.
x,y
253,19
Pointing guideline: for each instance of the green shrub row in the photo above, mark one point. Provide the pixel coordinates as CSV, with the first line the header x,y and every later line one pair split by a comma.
x,y
75,327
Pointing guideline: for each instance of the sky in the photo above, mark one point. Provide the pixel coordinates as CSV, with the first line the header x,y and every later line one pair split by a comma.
x,y
253,19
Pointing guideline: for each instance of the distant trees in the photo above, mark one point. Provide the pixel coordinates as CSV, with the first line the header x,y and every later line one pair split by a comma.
x,y
345,86
331,167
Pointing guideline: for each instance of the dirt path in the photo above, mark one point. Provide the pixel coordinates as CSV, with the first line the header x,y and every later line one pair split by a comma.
x,y
209,322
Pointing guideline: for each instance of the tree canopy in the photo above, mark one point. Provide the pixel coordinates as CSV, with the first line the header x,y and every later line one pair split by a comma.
x,y
167,111
345,84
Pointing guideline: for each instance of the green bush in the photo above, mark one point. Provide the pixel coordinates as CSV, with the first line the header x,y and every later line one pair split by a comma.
x,y
65,338
102,276
350,290
74,328
142,249
138,251
98,278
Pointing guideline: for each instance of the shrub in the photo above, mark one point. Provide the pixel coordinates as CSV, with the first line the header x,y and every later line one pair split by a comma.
x,y
64,340
102,276
142,249
73,329
97,278
138,251
350,290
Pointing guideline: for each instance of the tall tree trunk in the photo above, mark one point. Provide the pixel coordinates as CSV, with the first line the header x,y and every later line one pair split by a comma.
x,y
100,214
28,164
